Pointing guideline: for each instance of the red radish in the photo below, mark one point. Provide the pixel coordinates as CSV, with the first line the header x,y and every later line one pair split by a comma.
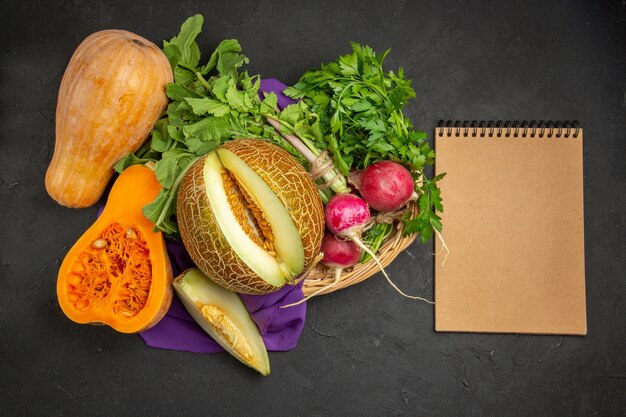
x,y
339,253
346,215
386,186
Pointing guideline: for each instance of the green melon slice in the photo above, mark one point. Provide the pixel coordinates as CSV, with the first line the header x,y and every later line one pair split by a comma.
x,y
287,241
257,258
289,259
223,316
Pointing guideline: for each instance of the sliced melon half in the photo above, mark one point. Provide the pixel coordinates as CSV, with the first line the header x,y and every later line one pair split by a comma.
x,y
250,216
222,314
274,267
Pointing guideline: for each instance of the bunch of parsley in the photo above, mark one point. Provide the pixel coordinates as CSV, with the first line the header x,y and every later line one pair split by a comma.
x,y
361,120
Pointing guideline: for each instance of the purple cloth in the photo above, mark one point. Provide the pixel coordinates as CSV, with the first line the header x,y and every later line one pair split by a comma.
x,y
280,328
273,85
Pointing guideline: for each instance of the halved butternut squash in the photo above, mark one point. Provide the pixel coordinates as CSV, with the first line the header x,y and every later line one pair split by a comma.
x,y
118,272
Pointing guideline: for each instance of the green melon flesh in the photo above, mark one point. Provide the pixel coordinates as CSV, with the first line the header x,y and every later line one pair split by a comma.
x,y
289,260
223,316
287,241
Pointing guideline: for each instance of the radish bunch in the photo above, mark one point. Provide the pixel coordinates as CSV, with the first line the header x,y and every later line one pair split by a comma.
x,y
346,216
386,186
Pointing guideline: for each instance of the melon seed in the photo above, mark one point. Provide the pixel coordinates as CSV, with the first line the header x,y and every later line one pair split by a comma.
x,y
260,220
227,329
130,233
237,204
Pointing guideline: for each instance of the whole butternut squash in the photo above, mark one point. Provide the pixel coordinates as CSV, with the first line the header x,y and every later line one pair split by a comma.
x,y
112,92
118,272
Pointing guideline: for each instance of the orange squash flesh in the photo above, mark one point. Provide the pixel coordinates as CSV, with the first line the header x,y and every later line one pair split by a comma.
x,y
118,272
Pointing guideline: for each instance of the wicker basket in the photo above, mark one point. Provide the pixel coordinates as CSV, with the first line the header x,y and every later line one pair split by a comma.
x,y
321,275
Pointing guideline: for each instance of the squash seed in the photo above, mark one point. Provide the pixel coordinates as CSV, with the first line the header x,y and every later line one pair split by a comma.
x,y
99,244
131,234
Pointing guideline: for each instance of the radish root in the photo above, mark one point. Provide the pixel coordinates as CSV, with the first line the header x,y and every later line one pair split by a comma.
x,y
360,244
332,284
443,246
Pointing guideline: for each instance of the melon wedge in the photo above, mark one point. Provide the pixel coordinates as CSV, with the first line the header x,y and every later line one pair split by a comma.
x,y
222,314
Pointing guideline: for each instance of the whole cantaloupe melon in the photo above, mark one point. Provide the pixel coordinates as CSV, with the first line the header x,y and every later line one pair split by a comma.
x,y
250,216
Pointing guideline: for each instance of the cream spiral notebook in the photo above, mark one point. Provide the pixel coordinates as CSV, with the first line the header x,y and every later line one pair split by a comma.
x,y
513,224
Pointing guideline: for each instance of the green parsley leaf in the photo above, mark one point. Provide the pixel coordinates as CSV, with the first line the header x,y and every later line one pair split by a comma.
x,y
211,128
202,106
226,58
270,101
349,64
238,99
170,165
179,92
127,161
220,87
351,107
185,41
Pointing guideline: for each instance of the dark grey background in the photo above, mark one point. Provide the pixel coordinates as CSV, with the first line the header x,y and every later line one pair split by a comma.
x,y
365,350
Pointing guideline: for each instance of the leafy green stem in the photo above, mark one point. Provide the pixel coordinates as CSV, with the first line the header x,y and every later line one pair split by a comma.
x,y
304,140
187,67
374,238
172,191
295,141
204,82
334,178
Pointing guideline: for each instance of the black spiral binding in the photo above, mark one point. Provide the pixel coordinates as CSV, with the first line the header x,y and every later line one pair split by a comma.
x,y
509,128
